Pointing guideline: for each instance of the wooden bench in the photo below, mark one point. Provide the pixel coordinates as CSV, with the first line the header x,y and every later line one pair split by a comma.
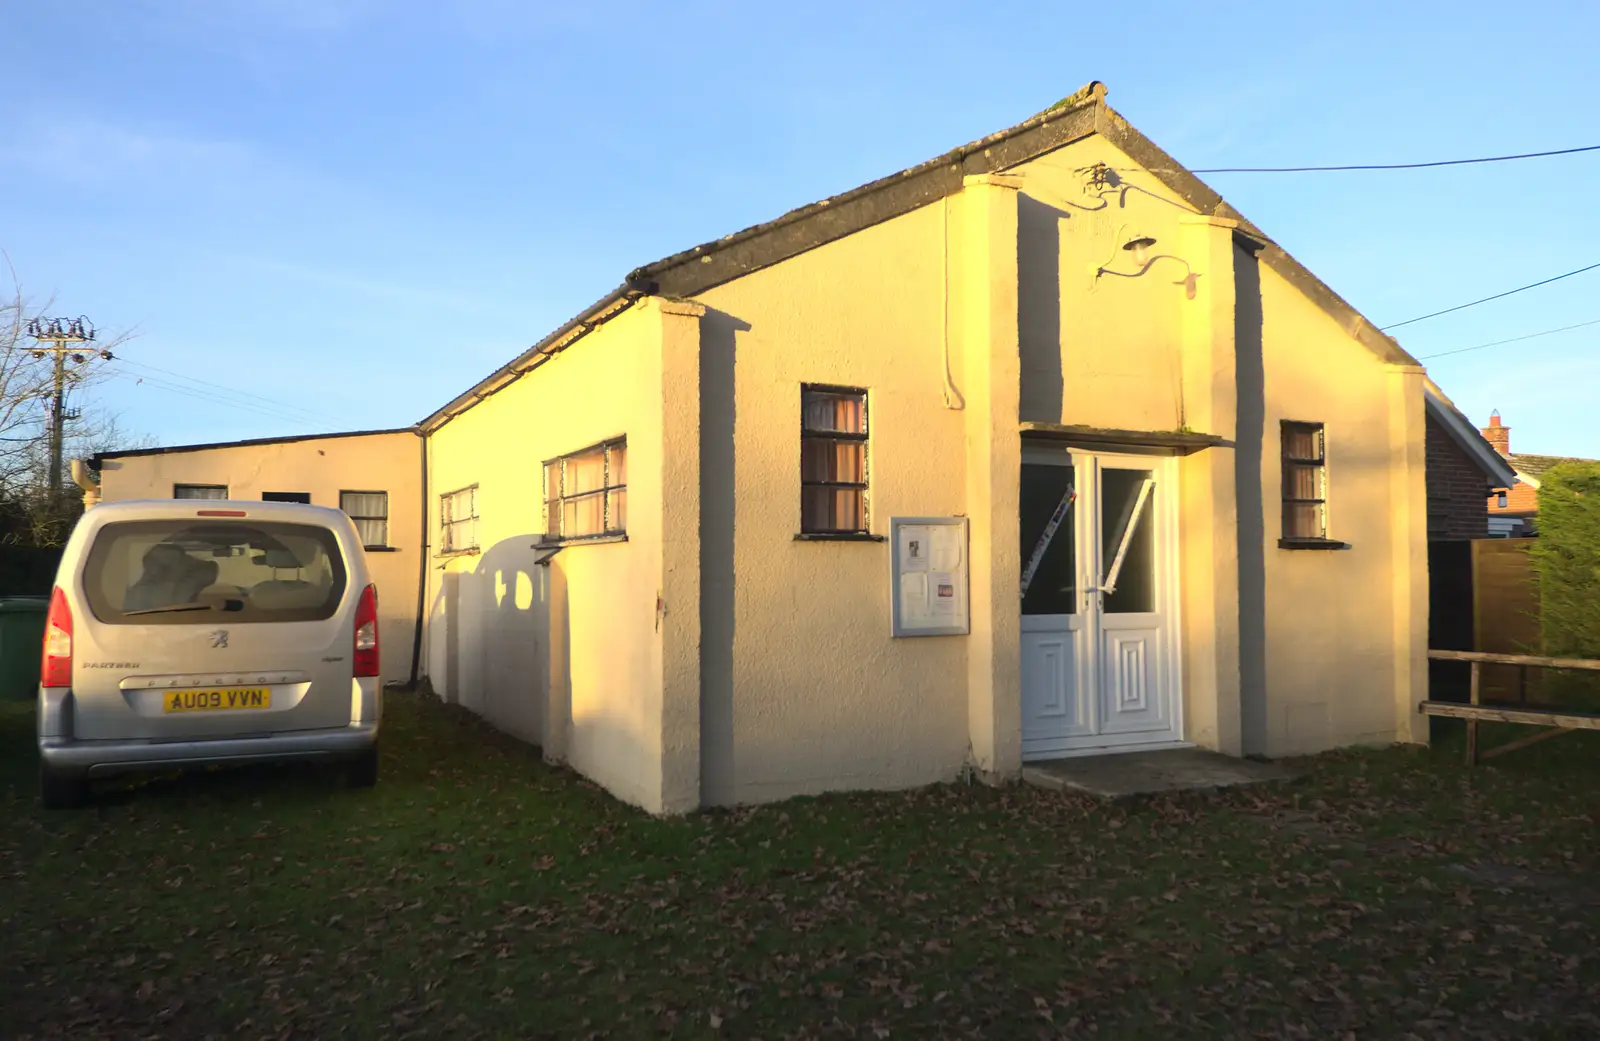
x,y
1561,721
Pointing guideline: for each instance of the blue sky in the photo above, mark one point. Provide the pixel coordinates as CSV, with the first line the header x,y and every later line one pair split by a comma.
x,y
351,210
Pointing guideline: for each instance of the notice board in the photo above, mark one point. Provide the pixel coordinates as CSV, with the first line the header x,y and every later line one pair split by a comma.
x,y
929,576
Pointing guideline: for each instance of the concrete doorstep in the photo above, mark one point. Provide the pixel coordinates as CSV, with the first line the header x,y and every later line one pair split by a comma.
x,y
1133,774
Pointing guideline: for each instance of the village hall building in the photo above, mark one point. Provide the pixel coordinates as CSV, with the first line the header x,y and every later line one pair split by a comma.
x,y
1038,449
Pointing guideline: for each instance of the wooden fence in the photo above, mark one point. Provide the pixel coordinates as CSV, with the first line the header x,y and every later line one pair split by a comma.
x,y
1484,596
1505,601
1558,721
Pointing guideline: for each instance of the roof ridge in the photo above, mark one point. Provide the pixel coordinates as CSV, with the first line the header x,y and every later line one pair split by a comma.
x,y
1091,93
287,439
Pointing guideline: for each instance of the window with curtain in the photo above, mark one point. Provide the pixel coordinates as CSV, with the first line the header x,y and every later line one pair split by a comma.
x,y
458,520
833,461
1305,482
199,491
370,511
586,493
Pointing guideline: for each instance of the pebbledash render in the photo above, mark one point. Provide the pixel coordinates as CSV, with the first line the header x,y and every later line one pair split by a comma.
x,y
756,524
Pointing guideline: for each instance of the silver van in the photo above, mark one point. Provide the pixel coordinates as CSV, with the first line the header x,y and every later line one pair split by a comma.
x,y
195,632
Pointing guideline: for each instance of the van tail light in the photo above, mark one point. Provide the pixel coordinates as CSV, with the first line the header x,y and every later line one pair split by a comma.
x,y
366,651
55,666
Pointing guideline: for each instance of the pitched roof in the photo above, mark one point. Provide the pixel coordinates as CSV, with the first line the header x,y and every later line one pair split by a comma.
x,y
1471,440
127,453
1536,465
1079,115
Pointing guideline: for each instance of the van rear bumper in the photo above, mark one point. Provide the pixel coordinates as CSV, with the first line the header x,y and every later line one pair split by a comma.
x,y
104,758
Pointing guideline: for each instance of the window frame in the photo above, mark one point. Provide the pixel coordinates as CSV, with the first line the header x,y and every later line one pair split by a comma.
x,y
384,545
1320,540
203,498
445,526
554,513
864,486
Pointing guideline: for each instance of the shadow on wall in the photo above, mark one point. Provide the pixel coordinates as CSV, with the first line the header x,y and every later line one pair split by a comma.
x,y
1250,376
498,642
1039,309
718,353
501,638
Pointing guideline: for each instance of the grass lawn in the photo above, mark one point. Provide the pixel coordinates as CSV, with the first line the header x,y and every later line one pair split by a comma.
x,y
479,893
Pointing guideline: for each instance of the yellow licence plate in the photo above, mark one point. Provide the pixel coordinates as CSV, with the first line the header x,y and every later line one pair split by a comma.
x,y
216,700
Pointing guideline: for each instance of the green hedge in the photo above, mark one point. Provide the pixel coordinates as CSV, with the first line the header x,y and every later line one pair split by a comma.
x,y
27,570
1566,556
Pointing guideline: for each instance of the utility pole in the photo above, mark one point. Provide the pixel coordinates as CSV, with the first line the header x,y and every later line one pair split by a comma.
x,y
66,337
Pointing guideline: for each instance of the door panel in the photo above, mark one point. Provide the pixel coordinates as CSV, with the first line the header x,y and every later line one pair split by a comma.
x,y
1133,693
1052,698
1056,705
305,665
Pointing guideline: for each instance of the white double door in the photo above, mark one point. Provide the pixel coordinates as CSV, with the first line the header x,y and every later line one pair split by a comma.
x,y
1099,602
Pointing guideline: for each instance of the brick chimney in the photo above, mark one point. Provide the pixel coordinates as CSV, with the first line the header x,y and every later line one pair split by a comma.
x,y
1498,434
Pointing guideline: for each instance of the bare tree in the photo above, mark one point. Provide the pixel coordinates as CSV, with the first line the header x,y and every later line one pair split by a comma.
x,y
42,516
25,382
37,513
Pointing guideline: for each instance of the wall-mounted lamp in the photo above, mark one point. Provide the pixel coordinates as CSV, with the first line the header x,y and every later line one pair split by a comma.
x,y
1140,248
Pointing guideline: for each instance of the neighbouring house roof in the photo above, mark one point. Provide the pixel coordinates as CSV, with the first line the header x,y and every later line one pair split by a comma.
x,y
1077,116
1468,437
1536,465
174,449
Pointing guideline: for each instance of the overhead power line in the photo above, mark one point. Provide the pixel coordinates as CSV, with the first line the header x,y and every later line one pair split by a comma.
x,y
1484,300
1514,339
232,406
209,396
201,395
1397,166
310,413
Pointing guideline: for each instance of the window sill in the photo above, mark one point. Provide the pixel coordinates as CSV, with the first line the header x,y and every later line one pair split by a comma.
x,y
1312,544
840,536
453,553
584,540
381,549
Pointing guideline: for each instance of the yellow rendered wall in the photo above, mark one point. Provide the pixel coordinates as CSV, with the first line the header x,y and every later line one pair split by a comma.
x,y
815,695
324,467
1106,351
1332,645
804,690
566,655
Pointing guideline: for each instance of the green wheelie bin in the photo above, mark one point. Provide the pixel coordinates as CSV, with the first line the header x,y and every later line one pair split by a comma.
x,y
21,642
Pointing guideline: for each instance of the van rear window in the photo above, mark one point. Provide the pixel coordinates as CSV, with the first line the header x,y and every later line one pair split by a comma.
x,y
182,571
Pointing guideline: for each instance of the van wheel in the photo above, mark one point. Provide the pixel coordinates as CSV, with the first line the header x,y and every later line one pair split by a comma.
x,y
58,791
363,770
